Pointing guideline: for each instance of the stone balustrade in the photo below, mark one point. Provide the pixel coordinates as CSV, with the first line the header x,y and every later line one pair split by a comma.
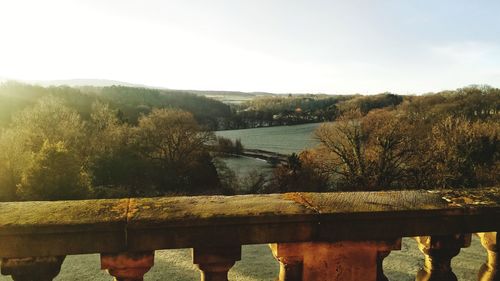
x,y
314,236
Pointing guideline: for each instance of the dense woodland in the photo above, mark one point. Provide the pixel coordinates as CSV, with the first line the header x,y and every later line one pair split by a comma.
x,y
444,140
129,102
94,142
299,109
132,102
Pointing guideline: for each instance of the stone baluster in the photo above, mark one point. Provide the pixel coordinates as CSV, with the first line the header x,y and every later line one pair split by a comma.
x,y
489,270
215,262
339,261
291,262
381,255
438,251
128,266
32,268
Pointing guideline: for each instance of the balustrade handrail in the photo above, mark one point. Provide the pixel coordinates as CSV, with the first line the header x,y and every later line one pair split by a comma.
x,y
137,225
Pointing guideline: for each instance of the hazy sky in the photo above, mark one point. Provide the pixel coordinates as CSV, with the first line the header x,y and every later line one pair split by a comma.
x,y
256,45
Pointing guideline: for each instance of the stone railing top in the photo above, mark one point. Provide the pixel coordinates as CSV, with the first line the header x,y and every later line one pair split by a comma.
x,y
210,210
62,216
87,226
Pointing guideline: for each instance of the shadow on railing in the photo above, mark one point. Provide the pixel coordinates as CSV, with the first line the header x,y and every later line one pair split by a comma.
x,y
314,236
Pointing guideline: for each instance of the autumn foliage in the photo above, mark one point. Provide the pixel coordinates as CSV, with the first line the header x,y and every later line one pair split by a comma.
x,y
448,140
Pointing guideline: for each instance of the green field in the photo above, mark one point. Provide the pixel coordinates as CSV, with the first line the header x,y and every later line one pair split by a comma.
x,y
281,139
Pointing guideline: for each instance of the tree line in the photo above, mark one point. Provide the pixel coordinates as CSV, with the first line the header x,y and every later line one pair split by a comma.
x,y
68,143
132,102
444,140
48,152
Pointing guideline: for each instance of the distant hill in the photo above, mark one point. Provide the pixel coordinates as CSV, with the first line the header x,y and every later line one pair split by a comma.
x,y
85,82
223,96
219,110
231,93
230,97
132,102
227,97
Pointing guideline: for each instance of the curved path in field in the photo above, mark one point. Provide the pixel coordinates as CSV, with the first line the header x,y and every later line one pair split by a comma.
x,y
272,158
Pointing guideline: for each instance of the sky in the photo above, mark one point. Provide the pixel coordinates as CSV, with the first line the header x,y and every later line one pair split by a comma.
x,y
281,46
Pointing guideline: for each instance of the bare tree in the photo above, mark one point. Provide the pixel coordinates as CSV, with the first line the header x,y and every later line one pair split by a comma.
x,y
367,152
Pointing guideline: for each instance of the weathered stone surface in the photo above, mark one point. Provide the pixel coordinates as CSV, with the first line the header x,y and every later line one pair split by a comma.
x,y
471,198
215,262
63,227
62,216
291,264
180,222
61,243
438,252
481,207
370,202
381,215
340,261
127,266
32,268
386,215
144,224
209,210
490,270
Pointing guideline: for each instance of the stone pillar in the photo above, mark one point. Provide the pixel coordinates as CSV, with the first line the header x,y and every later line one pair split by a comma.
x,y
128,266
340,261
215,262
489,271
438,251
32,268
